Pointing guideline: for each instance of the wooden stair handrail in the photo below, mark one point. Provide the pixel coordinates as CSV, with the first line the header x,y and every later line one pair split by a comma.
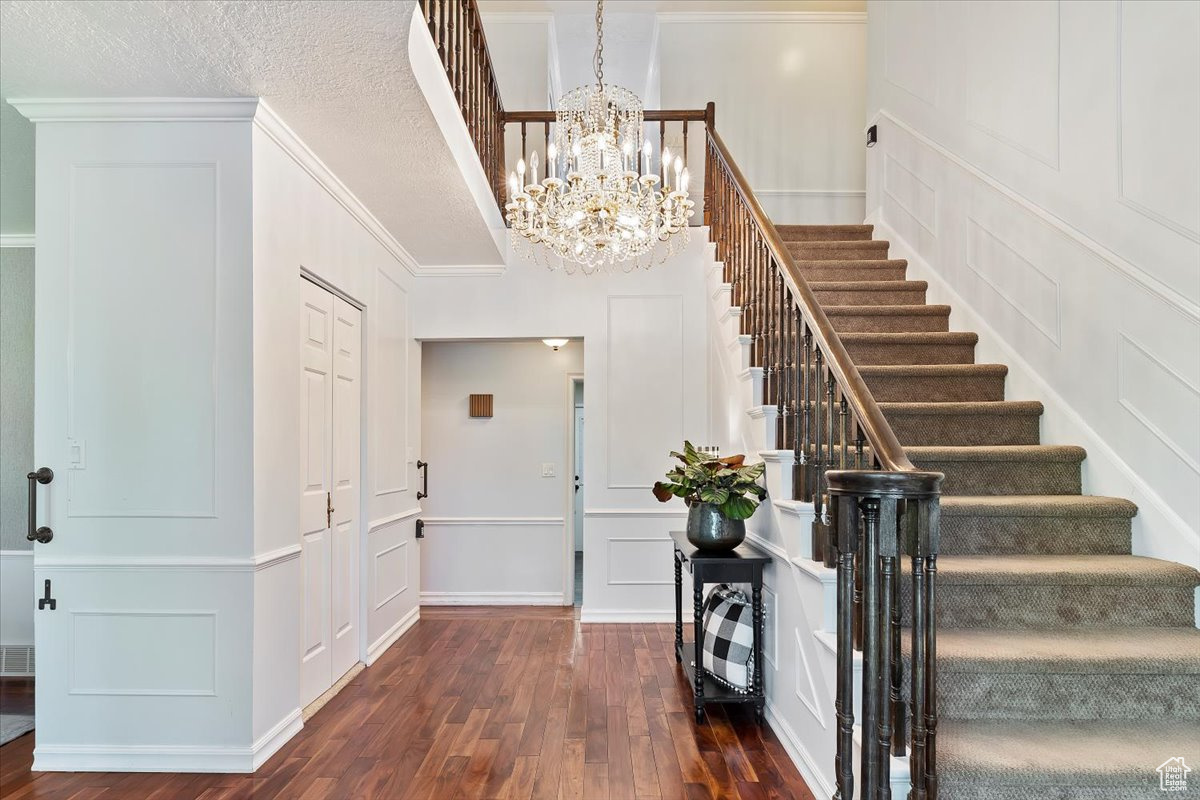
x,y
875,427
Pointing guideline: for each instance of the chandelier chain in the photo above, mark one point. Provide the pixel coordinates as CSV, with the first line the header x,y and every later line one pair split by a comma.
x,y
598,60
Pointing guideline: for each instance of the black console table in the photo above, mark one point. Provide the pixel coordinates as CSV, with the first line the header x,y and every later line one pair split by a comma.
x,y
742,565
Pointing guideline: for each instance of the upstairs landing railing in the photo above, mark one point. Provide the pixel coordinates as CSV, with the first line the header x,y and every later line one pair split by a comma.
x,y
871,505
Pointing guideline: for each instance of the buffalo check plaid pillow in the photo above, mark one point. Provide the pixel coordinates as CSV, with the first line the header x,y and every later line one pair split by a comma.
x,y
729,638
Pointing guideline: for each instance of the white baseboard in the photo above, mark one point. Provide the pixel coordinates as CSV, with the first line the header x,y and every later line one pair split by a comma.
x,y
492,599
167,758
380,645
813,775
270,742
624,615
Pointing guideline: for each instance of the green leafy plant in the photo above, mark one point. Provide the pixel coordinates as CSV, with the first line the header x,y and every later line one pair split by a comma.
x,y
728,483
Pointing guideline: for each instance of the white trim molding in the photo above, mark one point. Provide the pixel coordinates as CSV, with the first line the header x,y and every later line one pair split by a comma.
x,y
492,599
275,557
494,521
136,109
624,615
16,240
374,525
392,635
167,758
267,121
635,512
772,17
810,192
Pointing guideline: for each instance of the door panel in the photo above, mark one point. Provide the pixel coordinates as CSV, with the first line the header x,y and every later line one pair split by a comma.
x,y
316,336
347,392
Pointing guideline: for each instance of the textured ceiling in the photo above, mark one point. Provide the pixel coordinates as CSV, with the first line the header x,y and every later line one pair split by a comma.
x,y
337,72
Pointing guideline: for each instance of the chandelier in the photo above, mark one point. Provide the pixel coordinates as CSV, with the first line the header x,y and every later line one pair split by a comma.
x,y
592,209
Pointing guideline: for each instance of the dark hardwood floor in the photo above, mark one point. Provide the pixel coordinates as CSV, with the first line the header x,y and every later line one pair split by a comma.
x,y
488,703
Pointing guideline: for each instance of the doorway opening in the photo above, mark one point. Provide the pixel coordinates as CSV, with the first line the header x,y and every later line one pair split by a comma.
x,y
497,433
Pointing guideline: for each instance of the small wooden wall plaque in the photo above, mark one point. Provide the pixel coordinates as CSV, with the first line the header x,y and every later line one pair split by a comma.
x,y
481,405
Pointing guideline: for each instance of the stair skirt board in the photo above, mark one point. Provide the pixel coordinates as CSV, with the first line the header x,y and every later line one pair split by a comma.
x,y
1055,643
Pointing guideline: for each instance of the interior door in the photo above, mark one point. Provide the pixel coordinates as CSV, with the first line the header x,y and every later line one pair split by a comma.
x,y
316,392
331,337
344,539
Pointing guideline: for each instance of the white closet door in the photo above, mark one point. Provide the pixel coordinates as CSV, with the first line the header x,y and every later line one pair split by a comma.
x,y
316,392
347,391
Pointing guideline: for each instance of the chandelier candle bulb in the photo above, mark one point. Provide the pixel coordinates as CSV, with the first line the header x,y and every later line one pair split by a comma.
x,y
533,165
666,167
552,161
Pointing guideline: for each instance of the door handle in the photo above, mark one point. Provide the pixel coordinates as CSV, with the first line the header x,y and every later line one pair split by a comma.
x,y
423,492
36,534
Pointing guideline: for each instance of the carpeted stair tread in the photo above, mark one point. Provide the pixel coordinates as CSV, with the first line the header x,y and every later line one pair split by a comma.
x,y
889,293
999,422
1080,570
1040,453
888,311
1060,760
1070,650
856,269
824,233
1022,408
930,347
1030,505
935,383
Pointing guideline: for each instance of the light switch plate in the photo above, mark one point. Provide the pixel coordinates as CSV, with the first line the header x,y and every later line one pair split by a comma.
x,y
547,470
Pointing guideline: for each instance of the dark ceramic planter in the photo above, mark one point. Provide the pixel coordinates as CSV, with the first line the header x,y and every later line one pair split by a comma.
x,y
709,529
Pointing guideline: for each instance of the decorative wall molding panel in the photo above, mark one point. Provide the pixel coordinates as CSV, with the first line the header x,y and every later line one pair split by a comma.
x,y
635,512
492,598
772,17
632,415
1031,292
1147,387
390,561
108,653
376,524
1150,178
17,240
276,557
638,561
389,323
494,521
1133,272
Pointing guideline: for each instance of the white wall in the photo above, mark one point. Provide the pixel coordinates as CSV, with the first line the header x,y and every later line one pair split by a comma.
x,y
1032,162
789,90
645,379
142,341
299,224
16,442
495,527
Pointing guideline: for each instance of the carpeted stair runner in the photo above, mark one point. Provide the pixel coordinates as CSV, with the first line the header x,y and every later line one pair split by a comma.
x,y
1068,668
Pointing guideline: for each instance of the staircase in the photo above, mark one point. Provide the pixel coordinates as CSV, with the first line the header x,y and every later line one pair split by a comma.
x,y
1066,666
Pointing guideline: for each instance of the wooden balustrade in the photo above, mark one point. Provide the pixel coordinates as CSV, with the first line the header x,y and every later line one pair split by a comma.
x,y
457,32
871,505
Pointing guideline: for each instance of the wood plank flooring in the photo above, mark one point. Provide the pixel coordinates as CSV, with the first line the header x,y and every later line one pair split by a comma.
x,y
521,703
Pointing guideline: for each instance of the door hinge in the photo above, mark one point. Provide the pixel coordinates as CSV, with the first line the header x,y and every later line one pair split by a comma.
x,y
46,599
329,510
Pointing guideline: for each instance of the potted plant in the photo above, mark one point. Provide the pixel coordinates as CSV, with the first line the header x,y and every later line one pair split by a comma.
x,y
721,493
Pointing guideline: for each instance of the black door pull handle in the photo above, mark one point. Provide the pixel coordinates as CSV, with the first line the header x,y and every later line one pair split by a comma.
x,y
423,492
36,534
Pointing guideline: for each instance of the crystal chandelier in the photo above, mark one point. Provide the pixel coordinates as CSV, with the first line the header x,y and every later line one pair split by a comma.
x,y
602,212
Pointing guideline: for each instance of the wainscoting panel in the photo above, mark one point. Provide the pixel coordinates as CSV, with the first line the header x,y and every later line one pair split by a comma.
x,y
389,346
645,395
108,653
168,285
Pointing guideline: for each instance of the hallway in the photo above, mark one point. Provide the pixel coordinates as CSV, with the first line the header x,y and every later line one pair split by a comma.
x,y
488,703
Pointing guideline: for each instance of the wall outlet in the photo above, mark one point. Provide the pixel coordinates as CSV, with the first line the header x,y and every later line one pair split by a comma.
x,y
547,470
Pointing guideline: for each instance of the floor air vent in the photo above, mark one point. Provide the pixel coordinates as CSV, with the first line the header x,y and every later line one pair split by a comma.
x,y
16,660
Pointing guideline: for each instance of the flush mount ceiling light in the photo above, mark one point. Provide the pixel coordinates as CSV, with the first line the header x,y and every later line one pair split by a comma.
x,y
554,343
603,212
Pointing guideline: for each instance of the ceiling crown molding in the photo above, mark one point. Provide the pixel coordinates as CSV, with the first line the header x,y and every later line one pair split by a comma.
x,y
136,109
266,120
795,17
